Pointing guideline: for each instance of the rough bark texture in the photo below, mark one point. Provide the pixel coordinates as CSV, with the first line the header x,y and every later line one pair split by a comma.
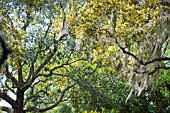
x,y
19,102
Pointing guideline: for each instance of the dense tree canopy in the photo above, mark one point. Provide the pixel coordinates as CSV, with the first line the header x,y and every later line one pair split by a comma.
x,y
85,55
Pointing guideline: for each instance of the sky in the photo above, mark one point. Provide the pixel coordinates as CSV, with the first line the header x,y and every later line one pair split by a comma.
x,y
4,103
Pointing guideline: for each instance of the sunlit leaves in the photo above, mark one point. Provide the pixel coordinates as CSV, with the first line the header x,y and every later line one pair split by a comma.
x,y
135,30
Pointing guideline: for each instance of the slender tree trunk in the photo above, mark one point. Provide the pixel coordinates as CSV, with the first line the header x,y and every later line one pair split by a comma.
x,y
19,101
76,105
75,102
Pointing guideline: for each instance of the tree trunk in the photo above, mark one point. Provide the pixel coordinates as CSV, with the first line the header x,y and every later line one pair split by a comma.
x,y
20,102
75,102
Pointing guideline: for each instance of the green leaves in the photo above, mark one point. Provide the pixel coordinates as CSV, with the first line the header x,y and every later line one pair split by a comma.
x,y
59,44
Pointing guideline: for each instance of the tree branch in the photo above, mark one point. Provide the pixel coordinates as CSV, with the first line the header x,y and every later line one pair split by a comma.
x,y
33,96
9,76
44,63
156,60
7,109
138,59
158,68
8,99
154,71
41,66
141,62
9,87
55,104
5,52
31,70
65,64
57,67
20,76
129,53
28,17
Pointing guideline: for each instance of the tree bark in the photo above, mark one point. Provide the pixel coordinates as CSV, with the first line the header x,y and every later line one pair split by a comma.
x,y
20,103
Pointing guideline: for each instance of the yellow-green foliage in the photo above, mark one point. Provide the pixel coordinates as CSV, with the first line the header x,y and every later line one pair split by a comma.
x,y
91,23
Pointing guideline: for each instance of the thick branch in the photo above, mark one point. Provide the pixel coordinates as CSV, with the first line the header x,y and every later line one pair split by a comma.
x,y
158,68
20,76
8,99
5,52
7,109
129,53
156,60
